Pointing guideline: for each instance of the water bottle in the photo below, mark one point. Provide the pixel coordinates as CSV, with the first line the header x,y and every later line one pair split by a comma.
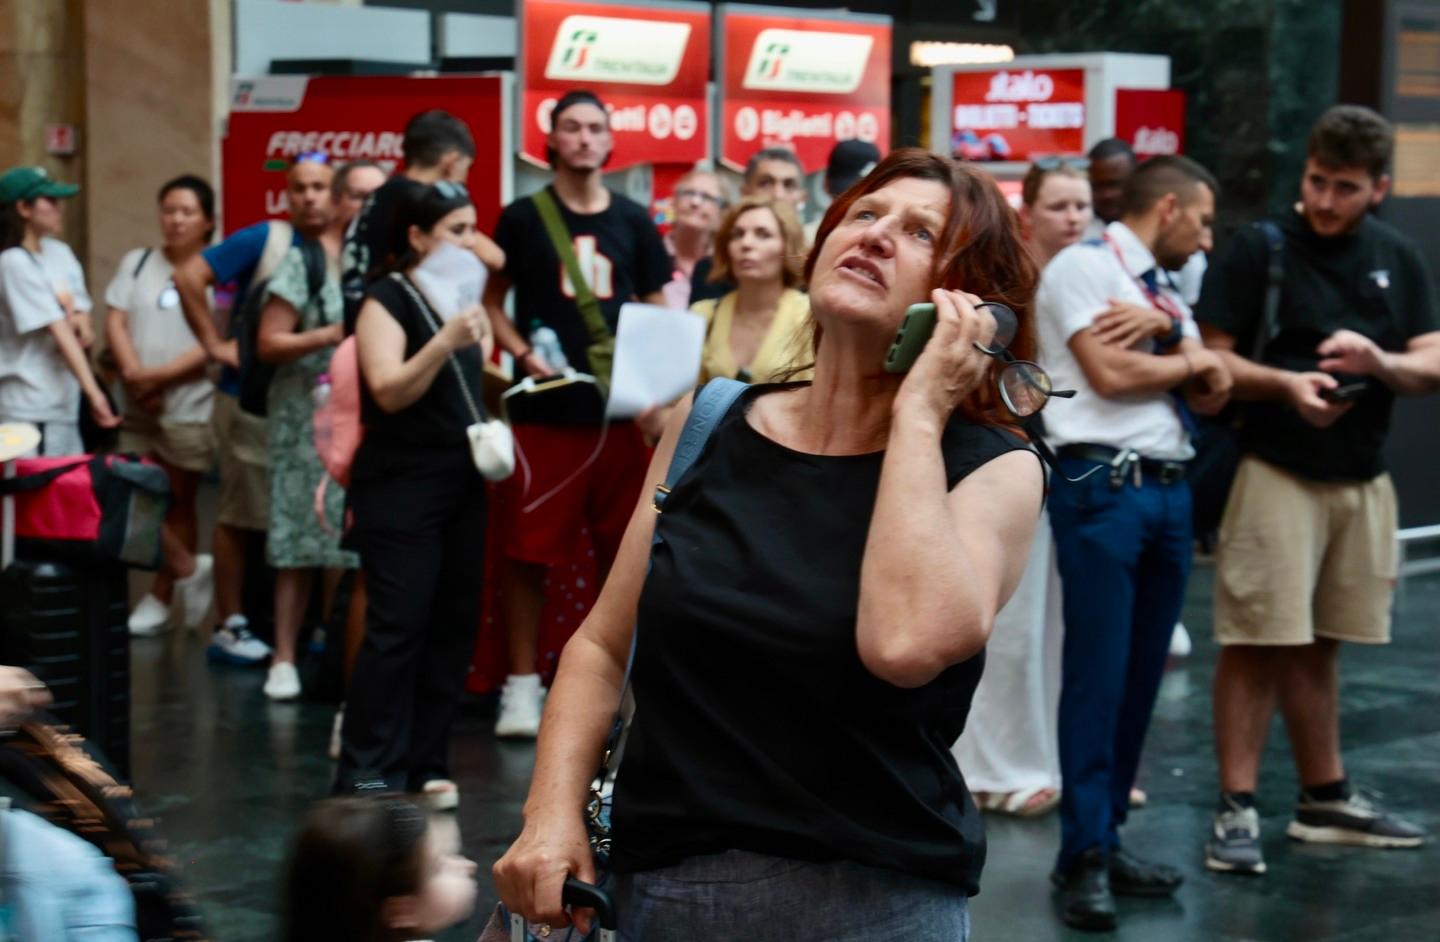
x,y
547,343
321,393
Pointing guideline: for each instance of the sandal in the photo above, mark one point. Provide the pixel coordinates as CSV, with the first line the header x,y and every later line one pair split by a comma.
x,y
1021,803
1138,798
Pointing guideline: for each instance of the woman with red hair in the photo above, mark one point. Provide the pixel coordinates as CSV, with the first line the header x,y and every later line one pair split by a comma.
x,y
811,627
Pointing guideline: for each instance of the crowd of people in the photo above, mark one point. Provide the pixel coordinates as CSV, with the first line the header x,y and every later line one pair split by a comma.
x,y
807,718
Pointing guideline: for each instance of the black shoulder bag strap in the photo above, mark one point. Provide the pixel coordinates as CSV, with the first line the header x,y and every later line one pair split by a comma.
x,y
1274,280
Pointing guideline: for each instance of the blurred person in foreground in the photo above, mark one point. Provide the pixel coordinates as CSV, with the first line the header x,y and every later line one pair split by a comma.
x,y
800,669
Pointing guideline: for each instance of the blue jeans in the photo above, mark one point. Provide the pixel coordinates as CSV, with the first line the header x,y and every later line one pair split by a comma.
x,y
1124,555
740,895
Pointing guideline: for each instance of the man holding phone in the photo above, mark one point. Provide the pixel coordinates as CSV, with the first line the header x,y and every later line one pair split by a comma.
x,y
1306,557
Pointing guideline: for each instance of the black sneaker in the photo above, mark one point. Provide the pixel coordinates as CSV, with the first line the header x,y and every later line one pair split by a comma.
x,y
1355,820
1234,845
1085,899
1135,876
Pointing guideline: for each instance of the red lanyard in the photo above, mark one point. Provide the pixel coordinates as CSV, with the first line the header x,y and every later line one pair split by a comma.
x,y
1156,298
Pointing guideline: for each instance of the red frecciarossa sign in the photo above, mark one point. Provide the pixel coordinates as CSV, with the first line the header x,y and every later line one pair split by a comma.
x,y
649,64
802,82
273,118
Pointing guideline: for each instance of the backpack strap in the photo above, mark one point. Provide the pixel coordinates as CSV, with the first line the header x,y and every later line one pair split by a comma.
x,y
277,242
1274,280
712,402
560,239
313,254
140,265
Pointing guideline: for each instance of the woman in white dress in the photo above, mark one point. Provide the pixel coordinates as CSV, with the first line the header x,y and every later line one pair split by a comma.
x,y
1009,750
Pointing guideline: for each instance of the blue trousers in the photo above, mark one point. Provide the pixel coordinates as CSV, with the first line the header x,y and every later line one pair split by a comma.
x,y
1124,555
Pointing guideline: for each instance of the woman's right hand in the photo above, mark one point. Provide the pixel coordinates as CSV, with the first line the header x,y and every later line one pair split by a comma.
x,y
530,877
469,327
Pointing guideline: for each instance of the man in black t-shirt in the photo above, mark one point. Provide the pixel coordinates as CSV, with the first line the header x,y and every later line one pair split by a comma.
x,y
437,146
1307,556
579,471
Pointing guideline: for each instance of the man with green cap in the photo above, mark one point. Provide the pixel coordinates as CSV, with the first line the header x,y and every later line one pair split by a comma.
x,y
44,316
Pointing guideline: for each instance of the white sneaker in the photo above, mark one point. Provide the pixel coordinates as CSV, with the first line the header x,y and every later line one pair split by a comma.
x,y
234,644
1180,641
334,751
283,682
150,618
195,592
521,700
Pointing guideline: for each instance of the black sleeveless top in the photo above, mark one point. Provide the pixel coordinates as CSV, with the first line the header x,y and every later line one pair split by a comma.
x,y
756,725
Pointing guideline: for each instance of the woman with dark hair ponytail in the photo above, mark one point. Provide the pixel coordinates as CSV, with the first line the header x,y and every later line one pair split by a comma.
x,y
166,398
419,510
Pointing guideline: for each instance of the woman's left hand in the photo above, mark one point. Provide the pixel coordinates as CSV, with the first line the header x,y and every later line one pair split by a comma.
x,y
949,368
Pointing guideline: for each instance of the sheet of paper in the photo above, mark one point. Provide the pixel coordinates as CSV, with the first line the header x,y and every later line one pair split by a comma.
x,y
657,358
452,278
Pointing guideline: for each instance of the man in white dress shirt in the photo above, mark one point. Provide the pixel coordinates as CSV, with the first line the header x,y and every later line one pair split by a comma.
x,y
1123,530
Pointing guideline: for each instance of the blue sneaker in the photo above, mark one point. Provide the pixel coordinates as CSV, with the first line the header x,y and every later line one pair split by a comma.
x,y
234,644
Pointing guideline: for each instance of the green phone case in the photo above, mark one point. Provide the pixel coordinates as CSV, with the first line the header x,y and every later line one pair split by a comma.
x,y
914,334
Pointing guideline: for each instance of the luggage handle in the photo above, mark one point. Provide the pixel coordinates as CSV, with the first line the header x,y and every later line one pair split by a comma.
x,y
574,893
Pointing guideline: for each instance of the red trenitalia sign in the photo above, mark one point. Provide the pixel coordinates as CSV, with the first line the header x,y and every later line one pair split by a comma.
x,y
1153,121
803,83
276,117
1017,115
649,64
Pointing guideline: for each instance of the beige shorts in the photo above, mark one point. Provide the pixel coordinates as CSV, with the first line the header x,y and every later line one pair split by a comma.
x,y
189,446
1299,560
242,442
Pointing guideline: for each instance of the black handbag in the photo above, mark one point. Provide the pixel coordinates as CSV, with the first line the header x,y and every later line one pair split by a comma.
x,y
1217,440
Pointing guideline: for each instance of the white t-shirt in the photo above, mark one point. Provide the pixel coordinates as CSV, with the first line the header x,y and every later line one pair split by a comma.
x,y
35,383
1075,287
64,272
158,330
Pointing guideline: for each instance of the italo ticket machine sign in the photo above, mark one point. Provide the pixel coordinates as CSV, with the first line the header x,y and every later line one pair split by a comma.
x,y
1037,106
649,63
275,118
800,81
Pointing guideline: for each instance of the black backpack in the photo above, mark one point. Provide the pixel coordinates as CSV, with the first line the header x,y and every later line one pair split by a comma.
x,y
255,373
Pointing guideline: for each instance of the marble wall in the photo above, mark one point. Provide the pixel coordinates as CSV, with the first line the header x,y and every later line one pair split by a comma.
x,y
149,116
1256,73
41,83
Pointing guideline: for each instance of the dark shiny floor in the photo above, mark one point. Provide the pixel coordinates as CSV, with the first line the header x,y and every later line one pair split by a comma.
x,y
229,774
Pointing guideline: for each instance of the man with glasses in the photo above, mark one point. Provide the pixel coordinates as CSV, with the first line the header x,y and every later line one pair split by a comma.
x,y
583,472
774,173
1307,557
698,204
248,256
1120,512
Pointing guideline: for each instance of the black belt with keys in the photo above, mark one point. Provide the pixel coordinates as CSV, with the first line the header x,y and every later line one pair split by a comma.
x,y
1127,463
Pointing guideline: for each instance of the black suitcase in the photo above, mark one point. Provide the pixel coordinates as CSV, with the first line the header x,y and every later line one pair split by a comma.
x,y
65,623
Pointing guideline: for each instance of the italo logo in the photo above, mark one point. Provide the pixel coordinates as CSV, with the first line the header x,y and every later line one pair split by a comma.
x,y
787,60
1020,86
607,49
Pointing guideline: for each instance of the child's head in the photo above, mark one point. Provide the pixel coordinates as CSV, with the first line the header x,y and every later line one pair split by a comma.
x,y
373,870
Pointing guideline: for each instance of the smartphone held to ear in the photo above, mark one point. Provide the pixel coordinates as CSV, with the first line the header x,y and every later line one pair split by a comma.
x,y
914,334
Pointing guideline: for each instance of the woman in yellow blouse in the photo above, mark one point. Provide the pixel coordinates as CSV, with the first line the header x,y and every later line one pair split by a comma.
x,y
754,332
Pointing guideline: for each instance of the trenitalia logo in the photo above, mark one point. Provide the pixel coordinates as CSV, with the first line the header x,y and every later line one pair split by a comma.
x,y
786,60
606,49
